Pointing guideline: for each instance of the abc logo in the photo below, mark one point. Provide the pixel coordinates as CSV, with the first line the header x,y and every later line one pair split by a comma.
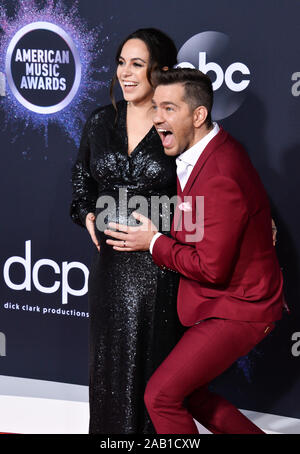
x,y
210,53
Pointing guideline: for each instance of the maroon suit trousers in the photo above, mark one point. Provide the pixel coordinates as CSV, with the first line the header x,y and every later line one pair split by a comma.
x,y
177,392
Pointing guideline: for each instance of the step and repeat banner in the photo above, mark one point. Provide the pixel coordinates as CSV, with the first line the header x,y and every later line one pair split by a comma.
x,y
56,63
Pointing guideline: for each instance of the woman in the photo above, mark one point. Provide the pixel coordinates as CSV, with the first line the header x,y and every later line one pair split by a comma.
x,y
132,303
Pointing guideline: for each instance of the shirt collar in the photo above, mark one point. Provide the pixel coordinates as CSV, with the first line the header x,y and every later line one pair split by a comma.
x,y
192,155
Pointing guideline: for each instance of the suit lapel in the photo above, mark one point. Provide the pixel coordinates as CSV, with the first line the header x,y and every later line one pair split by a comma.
x,y
209,149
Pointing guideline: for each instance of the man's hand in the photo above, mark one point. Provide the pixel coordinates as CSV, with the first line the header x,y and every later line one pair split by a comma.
x,y
132,238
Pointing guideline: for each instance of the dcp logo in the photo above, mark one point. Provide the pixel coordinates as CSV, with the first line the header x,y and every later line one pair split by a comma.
x,y
210,53
48,269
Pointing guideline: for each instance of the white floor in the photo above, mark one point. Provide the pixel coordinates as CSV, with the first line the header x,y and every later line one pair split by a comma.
x,y
42,407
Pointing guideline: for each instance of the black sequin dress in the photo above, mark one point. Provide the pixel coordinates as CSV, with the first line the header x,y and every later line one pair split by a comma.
x,y
132,302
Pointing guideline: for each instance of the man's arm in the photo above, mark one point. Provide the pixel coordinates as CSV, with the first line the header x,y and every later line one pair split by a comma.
x,y
212,258
157,235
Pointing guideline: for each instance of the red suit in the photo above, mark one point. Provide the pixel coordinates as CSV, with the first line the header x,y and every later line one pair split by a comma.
x,y
230,282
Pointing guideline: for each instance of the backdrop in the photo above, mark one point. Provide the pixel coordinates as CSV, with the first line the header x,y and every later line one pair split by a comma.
x,y
57,58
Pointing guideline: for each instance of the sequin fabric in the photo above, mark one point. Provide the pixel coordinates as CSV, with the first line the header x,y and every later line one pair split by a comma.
x,y
132,303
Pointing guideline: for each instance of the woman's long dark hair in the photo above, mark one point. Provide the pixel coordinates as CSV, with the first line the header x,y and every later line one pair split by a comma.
x,y
161,48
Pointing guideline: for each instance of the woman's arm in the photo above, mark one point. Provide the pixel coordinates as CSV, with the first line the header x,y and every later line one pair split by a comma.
x,y
84,188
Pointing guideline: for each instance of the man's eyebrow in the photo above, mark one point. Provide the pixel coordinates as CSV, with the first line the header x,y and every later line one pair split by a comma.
x,y
165,103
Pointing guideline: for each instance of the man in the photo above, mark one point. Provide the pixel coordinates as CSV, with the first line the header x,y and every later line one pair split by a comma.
x,y
230,291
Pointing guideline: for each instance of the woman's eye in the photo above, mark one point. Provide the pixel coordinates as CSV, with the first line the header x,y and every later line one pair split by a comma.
x,y
120,62
137,64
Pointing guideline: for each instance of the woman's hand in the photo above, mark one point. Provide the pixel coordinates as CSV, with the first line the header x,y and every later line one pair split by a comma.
x,y
90,225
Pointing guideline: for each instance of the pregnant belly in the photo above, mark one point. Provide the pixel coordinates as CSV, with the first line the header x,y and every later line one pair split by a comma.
x,y
120,211
112,214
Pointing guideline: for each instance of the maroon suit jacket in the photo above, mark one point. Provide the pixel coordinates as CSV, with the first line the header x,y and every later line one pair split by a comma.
x,y
232,272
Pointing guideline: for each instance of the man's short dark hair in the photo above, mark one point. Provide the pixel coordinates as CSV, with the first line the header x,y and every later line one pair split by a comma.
x,y
198,89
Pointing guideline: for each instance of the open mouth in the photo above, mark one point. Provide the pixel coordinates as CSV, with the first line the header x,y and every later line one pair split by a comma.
x,y
166,137
128,84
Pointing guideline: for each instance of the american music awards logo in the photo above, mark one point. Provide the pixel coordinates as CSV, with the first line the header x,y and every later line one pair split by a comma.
x,y
43,67
47,65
